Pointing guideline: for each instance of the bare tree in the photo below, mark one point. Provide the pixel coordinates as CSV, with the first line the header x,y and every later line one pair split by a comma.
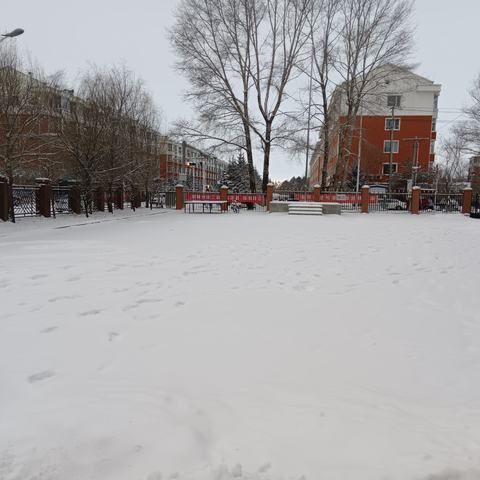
x,y
469,130
453,168
24,122
239,57
374,34
213,43
278,36
324,36
80,133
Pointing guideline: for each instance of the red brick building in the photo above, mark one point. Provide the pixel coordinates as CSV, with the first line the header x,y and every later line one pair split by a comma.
x,y
185,164
395,128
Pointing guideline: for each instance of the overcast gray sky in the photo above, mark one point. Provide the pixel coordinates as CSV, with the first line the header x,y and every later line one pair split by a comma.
x,y
66,35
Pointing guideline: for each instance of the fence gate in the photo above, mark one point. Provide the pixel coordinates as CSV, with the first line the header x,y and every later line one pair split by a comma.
x,y
25,202
170,199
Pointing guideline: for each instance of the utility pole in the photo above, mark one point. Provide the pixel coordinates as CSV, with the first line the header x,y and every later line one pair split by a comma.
x,y
309,119
359,156
416,149
390,164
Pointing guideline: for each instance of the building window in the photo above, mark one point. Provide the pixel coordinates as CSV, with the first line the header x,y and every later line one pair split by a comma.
x,y
391,147
394,101
435,102
434,125
392,124
386,168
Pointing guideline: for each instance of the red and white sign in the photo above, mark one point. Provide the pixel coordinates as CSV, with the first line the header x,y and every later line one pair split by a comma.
x,y
212,197
341,197
258,198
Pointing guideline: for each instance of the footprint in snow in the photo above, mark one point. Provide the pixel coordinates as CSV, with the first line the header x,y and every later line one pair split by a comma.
x,y
155,476
264,468
50,329
112,336
65,297
74,278
38,377
89,313
38,277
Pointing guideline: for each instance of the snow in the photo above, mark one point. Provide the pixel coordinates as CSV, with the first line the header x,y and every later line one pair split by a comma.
x,y
252,346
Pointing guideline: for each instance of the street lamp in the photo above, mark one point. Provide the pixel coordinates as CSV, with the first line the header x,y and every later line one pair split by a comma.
x,y
12,34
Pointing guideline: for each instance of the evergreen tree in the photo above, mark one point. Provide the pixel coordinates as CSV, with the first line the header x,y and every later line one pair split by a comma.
x,y
236,176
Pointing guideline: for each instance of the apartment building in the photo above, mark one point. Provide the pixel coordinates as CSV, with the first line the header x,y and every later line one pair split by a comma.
x,y
393,135
186,164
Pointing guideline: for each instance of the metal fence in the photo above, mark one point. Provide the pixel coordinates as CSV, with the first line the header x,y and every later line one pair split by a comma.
x,y
381,202
475,211
61,200
25,202
441,202
389,202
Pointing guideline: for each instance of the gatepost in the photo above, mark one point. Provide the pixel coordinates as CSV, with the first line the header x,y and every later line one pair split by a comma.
x,y
179,197
269,195
75,199
365,198
316,193
224,197
4,204
467,201
45,196
415,210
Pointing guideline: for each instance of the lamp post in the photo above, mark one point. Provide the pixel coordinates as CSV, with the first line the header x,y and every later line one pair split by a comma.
x,y
12,34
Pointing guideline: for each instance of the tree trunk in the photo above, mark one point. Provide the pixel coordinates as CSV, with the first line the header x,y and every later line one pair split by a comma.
x,y
326,138
251,167
266,155
326,154
110,198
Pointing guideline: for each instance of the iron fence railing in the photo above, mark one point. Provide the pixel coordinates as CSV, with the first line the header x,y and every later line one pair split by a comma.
x,y
475,210
441,202
389,202
61,200
25,200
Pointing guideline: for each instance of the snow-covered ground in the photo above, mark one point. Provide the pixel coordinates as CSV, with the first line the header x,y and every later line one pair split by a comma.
x,y
251,346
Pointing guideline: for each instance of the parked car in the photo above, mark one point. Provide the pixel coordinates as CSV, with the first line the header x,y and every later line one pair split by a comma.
x,y
395,204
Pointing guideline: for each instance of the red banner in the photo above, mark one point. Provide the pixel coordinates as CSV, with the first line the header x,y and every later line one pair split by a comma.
x,y
300,197
212,197
341,197
330,197
258,198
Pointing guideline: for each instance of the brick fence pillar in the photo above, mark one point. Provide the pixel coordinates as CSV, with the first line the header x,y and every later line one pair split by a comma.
x,y
365,198
4,210
119,198
269,195
224,197
467,201
100,199
316,193
415,208
179,197
75,199
45,196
